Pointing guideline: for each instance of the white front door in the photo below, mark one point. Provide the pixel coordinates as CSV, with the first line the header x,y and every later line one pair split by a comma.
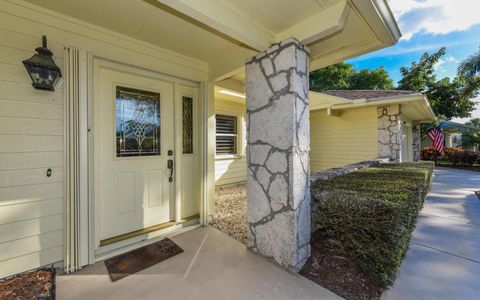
x,y
134,140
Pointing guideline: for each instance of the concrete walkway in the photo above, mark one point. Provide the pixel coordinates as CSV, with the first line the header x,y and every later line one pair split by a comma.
x,y
212,266
444,257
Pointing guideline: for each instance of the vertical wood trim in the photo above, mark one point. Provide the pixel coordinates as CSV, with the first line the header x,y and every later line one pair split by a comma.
x,y
208,150
76,161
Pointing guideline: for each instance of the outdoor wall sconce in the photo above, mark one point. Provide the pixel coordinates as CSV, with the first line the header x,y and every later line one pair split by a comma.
x,y
42,69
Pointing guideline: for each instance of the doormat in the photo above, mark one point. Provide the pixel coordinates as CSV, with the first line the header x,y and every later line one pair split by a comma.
x,y
478,194
136,260
38,284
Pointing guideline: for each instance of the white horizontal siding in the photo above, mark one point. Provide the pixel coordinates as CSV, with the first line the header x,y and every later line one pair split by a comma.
x,y
23,92
26,177
31,135
31,227
30,126
26,262
36,111
31,160
36,243
232,170
30,143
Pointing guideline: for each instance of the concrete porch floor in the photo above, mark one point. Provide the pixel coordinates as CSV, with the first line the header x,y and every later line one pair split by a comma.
x,y
212,266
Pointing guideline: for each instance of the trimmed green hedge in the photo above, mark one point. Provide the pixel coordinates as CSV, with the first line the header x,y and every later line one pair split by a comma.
x,y
368,216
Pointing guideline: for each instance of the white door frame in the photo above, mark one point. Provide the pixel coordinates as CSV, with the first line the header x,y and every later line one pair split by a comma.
x,y
94,62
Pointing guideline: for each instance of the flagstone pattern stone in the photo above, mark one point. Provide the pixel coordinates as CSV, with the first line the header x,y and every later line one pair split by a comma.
x,y
278,135
334,172
389,133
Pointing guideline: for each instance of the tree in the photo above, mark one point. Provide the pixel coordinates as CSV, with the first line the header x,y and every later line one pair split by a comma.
x,y
420,76
474,122
445,95
377,79
446,100
343,76
333,77
469,69
470,140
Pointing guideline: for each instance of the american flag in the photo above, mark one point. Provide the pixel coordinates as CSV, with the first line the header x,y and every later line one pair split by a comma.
x,y
437,139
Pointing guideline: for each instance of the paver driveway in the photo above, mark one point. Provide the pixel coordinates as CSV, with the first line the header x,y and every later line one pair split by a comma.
x,y
443,261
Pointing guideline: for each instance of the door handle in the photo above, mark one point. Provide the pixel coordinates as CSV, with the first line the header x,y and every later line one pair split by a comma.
x,y
170,166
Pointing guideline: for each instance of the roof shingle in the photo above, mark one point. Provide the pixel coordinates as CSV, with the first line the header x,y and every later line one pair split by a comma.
x,y
366,94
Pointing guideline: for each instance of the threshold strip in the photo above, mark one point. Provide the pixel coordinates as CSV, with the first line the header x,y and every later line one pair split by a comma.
x,y
145,230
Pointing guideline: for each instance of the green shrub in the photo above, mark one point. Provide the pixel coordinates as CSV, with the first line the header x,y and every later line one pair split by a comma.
x,y
368,216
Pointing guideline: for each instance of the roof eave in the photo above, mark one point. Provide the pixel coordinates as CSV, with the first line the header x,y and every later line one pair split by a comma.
x,y
400,99
385,25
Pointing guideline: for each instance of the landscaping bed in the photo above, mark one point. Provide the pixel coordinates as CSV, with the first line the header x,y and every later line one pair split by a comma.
x,y
231,211
452,157
362,223
39,284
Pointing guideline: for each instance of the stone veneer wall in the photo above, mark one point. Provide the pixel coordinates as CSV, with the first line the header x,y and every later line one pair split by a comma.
x,y
334,172
389,133
416,141
278,186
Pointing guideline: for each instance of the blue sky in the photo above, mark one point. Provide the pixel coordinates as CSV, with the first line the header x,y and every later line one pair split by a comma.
x,y
427,25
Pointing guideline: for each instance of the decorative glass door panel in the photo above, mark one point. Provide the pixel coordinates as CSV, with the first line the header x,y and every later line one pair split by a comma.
x,y
187,125
137,122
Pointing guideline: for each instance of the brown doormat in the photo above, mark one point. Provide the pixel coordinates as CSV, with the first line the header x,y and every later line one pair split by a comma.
x,y
39,284
136,260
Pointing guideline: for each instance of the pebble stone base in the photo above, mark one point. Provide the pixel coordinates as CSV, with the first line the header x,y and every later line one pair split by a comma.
x,y
278,186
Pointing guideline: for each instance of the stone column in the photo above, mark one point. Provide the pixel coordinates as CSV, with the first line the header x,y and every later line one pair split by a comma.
x,y
389,133
278,154
416,145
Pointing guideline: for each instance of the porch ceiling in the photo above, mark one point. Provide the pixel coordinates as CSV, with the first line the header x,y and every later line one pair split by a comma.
x,y
224,33
279,15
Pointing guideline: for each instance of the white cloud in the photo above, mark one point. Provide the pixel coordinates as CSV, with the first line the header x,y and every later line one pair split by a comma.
x,y
451,59
434,16
447,60
439,63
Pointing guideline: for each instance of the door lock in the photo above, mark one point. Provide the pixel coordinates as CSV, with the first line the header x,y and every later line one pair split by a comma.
x,y
170,166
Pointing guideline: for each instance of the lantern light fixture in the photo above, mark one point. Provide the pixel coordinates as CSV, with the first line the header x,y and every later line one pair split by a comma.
x,y
42,69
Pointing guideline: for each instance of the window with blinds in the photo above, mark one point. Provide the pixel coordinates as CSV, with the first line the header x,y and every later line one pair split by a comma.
x,y
226,135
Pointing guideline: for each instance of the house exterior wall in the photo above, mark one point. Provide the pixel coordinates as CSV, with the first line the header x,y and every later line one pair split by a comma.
x,y
230,170
31,131
343,140
32,126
